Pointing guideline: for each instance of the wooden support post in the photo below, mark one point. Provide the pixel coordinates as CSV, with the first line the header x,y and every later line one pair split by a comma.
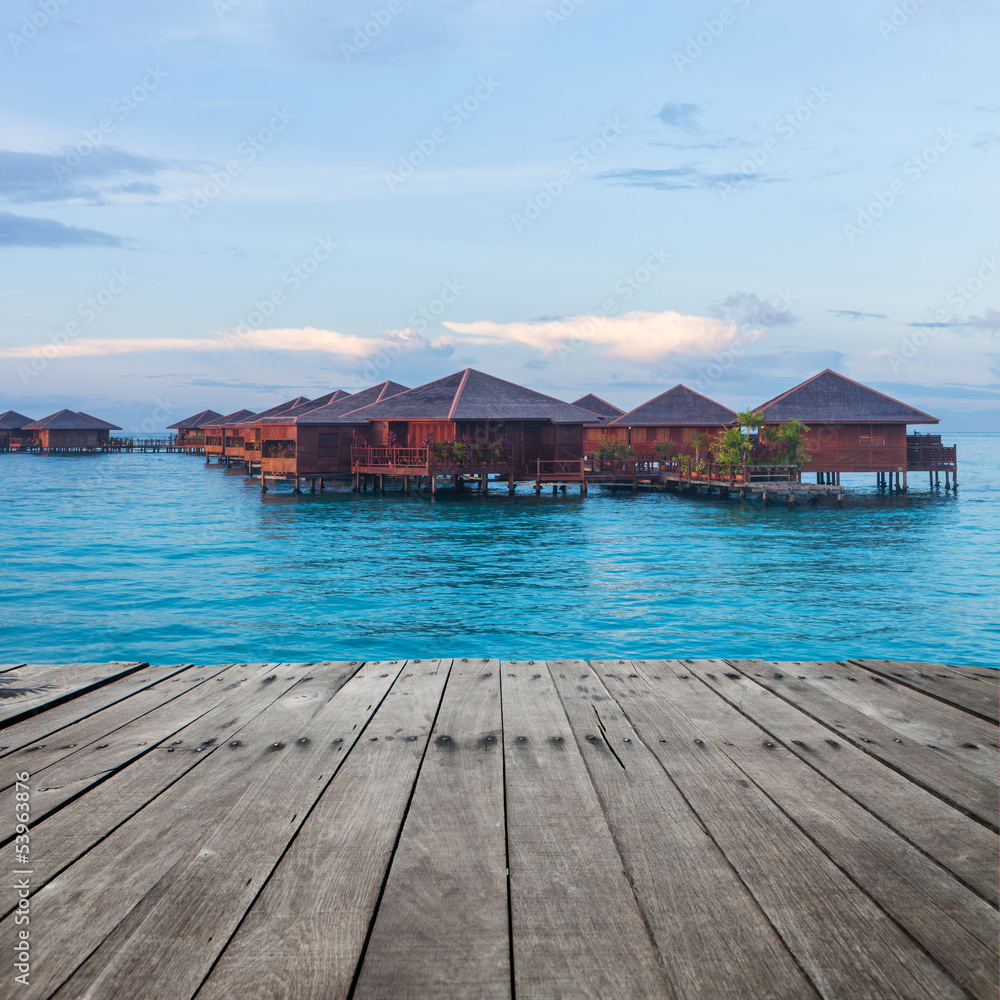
x,y
312,485
583,487
763,497
538,476
406,485
555,488
484,483
263,483
510,484
434,484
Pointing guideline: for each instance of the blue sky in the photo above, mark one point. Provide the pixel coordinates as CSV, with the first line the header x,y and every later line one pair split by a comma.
x,y
217,203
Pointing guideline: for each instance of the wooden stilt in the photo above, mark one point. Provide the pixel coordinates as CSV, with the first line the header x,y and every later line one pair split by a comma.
x,y
510,484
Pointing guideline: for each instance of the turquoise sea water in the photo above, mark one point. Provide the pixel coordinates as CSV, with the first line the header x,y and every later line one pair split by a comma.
x,y
165,559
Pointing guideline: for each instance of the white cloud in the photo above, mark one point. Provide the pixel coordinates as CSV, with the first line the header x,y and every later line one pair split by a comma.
x,y
305,339
634,336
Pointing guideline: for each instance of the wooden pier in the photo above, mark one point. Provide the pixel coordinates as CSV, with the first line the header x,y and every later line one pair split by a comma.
x,y
471,828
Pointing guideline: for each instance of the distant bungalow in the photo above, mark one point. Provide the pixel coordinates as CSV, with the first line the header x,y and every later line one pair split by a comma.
x,y
191,430
604,409
853,428
315,441
241,438
675,415
472,406
215,435
70,431
13,435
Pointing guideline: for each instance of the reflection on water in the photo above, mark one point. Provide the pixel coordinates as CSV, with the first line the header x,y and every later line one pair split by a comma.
x,y
158,557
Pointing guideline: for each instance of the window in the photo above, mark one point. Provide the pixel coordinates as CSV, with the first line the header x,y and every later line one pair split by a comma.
x,y
872,437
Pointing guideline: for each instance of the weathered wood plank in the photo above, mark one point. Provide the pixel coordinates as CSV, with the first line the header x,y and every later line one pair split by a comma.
x,y
843,942
237,845
965,739
116,724
959,929
957,786
577,929
961,845
56,718
715,941
314,914
24,697
985,703
68,834
441,928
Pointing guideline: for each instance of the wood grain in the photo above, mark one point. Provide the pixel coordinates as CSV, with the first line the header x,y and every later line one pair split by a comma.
x,y
566,876
967,849
955,692
959,787
441,928
304,936
715,941
843,942
26,694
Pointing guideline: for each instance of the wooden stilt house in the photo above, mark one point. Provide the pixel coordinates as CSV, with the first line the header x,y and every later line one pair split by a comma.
x,y
315,441
603,413
676,415
853,428
215,432
191,430
242,438
68,431
471,419
13,436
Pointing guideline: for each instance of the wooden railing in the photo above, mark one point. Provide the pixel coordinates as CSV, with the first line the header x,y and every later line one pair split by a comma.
x,y
925,451
392,457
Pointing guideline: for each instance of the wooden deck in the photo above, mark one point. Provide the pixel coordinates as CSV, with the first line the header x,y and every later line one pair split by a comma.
x,y
483,829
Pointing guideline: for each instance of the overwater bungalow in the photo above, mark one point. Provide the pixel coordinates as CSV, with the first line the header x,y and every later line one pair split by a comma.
x,y
13,436
853,428
315,441
471,420
604,409
676,415
191,430
242,438
215,433
68,431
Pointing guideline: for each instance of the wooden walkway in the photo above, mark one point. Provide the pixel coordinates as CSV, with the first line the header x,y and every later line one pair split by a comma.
x,y
483,829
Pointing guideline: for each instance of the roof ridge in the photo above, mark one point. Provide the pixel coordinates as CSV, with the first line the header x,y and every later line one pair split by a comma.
x,y
458,393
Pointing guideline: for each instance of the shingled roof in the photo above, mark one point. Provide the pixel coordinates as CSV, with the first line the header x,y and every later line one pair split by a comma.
x,y
339,411
69,420
193,422
474,395
280,408
597,405
228,420
14,420
677,407
830,398
285,416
